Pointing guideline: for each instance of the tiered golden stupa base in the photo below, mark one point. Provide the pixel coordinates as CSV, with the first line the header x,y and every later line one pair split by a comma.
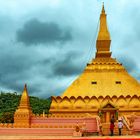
x,y
102,106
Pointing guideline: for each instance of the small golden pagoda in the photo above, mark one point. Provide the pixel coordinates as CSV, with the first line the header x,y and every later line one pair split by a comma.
x,y
104,87
23,113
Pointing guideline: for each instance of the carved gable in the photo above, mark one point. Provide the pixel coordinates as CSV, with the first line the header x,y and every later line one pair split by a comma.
x,y
109,105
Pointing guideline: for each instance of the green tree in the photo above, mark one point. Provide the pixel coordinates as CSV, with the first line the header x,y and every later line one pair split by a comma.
x,y
7,117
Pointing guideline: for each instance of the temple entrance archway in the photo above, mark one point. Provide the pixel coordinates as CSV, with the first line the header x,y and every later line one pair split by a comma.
x,y
107,111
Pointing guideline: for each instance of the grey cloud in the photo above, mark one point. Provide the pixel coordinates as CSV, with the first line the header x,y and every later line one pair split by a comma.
x,y
14,71
16,66
17,73
69,65
36,32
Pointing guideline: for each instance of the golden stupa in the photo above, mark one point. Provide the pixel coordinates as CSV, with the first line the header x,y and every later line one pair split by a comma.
x,y
23,114
104,87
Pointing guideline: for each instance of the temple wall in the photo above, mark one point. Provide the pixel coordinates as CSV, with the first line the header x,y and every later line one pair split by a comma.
x,y
43,122
51,126
36,131
54,125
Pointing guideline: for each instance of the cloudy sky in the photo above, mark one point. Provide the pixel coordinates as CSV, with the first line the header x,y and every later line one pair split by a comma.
x,y
47,43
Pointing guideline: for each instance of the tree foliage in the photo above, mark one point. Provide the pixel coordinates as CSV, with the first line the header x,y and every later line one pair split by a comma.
x,y
39,105
10,101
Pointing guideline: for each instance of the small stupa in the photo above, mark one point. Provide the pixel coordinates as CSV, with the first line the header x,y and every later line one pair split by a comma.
x,y
23,113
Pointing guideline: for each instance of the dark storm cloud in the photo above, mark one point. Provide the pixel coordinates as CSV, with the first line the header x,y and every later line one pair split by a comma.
x,y
14,69
70,65
36,32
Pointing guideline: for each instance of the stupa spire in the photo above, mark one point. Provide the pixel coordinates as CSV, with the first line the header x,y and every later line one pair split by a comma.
x,y
24,102
103,9
22,116
103,39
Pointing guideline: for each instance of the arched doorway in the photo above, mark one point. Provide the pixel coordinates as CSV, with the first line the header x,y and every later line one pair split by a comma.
x,y
107,111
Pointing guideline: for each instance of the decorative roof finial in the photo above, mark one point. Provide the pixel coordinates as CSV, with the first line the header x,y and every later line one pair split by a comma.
x,y
103,9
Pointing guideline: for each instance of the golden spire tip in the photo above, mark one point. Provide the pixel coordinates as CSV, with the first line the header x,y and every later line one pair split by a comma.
x,y
103,9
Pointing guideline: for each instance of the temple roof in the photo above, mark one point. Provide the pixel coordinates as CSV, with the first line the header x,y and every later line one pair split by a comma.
x,y
104,76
